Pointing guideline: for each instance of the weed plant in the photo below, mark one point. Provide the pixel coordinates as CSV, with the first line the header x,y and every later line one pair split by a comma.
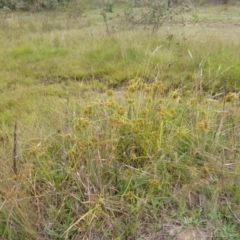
x,y
125,157
99,156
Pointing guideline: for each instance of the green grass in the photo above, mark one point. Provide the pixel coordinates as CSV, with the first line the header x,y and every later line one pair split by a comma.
x,y
125,135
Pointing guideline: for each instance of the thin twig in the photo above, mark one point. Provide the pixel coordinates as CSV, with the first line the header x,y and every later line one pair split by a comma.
x,y
230,209
15,148
104,14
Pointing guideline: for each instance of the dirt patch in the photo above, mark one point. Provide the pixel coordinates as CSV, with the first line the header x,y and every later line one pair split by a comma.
x,y
172,231
194,234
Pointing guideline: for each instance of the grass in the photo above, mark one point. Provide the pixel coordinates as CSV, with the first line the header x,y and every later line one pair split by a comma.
x,y
125,135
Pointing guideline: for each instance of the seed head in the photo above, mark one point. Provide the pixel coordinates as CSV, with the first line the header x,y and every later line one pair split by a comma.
x,y
109,93
121,111
144,111
231,97
88,110
203,125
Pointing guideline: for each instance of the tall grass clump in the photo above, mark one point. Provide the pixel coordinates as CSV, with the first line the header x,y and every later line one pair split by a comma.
x,y
143,153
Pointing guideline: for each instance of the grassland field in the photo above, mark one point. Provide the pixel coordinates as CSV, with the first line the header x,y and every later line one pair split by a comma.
x,y
110,130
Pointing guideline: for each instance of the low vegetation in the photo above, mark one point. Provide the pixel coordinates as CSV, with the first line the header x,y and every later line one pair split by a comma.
x,y
110,130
